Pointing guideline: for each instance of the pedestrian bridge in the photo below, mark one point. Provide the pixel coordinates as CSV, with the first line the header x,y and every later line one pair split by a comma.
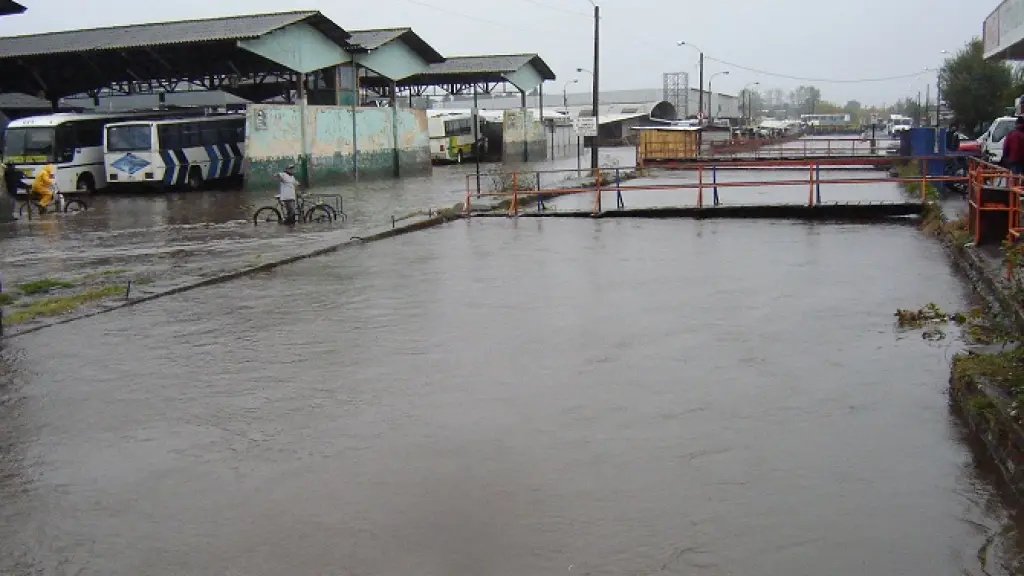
x,y
803,188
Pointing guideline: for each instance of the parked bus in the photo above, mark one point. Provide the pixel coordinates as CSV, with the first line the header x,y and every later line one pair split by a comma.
x,y
180,152
72,142
451,137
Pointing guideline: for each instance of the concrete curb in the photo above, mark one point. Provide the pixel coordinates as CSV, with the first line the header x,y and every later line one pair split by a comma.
x,y
443,218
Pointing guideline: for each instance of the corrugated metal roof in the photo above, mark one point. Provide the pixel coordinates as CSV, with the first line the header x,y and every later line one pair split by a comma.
x,y
491,64
17,101
375,38
161,33
8,7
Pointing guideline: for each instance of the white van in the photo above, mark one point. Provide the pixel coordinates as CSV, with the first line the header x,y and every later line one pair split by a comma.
x,y
991,142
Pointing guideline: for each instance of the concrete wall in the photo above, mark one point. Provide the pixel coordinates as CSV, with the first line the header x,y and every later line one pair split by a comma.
x,y
524,137
341,145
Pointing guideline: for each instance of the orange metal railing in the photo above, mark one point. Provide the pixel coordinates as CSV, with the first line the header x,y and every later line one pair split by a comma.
x,y
994,204
667,152
610,179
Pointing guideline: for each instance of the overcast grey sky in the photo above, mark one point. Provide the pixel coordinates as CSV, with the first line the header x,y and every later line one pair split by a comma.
x,y
806,38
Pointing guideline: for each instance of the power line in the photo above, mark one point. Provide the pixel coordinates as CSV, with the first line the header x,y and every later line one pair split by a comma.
x,y
504,25
557,8
660,48
824,80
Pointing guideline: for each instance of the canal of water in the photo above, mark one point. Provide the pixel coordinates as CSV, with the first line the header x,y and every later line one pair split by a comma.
x,y
511,397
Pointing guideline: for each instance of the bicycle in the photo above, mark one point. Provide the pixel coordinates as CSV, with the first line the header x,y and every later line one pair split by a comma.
x,y
318,210
60,203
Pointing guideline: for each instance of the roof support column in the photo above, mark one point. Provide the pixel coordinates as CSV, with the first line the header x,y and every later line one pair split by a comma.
x,y
477,148
540,106
526,120
355,131
304,146
393,103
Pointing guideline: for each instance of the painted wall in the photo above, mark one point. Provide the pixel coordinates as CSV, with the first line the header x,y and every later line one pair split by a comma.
x,y
301,48
341,145
524,137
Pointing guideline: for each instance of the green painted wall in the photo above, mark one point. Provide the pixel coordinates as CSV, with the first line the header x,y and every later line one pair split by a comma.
x,y
523,137
299,47
394,60
336,152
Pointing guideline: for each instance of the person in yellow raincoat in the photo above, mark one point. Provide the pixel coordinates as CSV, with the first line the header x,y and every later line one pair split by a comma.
x,y
42,186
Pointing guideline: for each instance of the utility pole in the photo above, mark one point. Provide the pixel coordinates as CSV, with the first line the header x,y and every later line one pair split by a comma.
x,y
700,90
597,84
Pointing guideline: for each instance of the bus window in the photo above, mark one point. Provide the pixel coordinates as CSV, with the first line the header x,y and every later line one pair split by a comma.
x,y
131,138
35,143
87,133
210,136
239,127
170,136
190,136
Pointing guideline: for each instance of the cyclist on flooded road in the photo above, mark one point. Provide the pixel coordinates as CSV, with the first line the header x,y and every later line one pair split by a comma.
x,y
42,187
286,191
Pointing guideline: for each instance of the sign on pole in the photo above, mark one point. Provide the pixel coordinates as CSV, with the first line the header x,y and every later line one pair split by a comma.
x,y
585,126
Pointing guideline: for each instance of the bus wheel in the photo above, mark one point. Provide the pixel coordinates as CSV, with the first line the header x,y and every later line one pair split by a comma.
x,y
195,179
85,184
458,157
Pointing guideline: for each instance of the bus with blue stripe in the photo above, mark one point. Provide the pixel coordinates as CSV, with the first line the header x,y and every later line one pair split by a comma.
x,y
175,153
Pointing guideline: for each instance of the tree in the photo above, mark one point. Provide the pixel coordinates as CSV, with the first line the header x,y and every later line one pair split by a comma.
x,y
805,99
853,107
751,103
975,89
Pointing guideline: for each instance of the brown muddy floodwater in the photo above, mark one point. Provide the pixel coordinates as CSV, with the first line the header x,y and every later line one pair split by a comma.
x,y
511,398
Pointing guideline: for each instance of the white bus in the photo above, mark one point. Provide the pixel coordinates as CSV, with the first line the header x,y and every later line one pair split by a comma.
x,y
176,152
72,142
451,136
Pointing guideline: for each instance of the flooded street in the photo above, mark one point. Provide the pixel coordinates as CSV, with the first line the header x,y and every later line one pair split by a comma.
x,y
177,238
509,397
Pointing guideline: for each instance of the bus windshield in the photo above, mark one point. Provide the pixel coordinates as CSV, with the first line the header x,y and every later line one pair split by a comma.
x,y
29,145
902,122
131,138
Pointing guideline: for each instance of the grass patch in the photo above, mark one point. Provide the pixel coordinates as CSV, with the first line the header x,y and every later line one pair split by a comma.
x,y
58,306
6,298
105,273
43,286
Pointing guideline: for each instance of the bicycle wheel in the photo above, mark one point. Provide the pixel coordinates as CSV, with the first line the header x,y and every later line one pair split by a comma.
x,y
334,213
267,215
75,205
319,214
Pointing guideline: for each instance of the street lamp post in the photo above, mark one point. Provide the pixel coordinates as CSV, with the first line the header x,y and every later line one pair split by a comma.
x,y
750,101
594,104
700,87
938,92
565,94
565,103
711,94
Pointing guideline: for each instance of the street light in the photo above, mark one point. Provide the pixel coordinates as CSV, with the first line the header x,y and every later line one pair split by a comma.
x,y
700,87
711,94
750,100
938,92
565,95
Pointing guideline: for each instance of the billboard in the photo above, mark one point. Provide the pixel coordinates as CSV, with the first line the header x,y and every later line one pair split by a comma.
x,y
990,33
1004,28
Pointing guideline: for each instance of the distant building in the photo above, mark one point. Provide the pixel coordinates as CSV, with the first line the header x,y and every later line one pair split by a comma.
x,y
723,105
